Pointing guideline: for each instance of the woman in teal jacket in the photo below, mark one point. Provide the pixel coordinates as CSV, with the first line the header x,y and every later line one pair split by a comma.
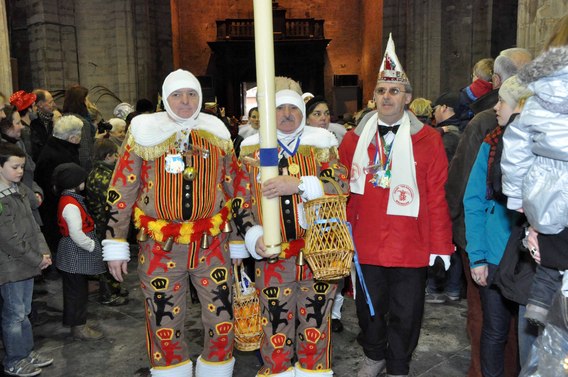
x,y
488,227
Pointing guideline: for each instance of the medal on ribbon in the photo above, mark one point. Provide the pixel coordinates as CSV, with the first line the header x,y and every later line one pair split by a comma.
x,y
293,168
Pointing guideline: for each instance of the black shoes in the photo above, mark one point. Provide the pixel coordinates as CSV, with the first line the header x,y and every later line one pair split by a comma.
x,y
336,325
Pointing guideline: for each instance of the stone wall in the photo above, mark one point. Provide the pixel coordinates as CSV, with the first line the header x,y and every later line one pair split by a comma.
x,y
342,25
438,42
535,21
119,49
126,45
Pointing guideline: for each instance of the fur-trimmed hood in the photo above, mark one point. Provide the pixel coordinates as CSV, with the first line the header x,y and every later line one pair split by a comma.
x,y
547,78
546,64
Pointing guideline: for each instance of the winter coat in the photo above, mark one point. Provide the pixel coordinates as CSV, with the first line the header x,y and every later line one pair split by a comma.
x,y
40,131
96,189
402,241
487,221
461,165
28,178
535,156
55,153
450,135
22,245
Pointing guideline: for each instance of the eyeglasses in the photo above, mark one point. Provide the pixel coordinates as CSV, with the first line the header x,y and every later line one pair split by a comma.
x,y
392,91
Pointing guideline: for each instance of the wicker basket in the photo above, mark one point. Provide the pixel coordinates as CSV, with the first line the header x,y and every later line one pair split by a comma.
x,y
246,310
329,247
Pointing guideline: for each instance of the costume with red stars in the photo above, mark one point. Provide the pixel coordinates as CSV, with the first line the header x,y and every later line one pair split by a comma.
x,y
175,211
288,292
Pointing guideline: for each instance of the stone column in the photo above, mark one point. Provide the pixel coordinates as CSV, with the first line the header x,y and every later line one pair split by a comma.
x,y
5,65
536,19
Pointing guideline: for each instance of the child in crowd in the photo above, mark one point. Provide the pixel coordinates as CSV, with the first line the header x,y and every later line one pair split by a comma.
x,y
118,131
79,253
105,154
480,85
23,254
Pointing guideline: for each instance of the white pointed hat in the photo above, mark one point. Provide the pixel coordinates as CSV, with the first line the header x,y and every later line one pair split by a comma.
x,y
391,69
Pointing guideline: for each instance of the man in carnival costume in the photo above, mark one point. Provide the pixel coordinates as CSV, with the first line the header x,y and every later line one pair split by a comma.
x,y
308,169
400,219
173,175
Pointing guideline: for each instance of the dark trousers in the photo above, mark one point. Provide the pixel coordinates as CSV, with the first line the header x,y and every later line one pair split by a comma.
x,y
546,282
397,295
497,315
75,298
473,326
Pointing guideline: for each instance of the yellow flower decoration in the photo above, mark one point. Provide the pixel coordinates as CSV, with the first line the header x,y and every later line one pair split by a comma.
x,y
264,321
150,184
157,356
171,264
176,310
211,308
142,259
287,292
132,178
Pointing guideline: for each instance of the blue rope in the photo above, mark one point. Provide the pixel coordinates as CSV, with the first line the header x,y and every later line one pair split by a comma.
x,y
360,274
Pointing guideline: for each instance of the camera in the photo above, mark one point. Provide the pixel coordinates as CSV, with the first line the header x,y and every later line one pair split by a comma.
x,y
103,126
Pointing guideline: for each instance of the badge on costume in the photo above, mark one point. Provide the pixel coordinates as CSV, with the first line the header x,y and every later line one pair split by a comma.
x,y
293,169
174,164
381,178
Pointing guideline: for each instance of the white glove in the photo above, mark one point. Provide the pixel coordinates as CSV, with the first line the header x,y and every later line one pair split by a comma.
x,y
445,258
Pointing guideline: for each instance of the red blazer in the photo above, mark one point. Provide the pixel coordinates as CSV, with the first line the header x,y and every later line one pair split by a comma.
x,y
402,241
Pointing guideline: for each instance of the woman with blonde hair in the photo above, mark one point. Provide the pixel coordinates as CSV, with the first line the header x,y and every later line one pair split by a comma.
x,y
422,108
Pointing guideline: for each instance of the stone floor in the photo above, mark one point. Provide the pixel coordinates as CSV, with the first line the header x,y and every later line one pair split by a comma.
x,y
443,349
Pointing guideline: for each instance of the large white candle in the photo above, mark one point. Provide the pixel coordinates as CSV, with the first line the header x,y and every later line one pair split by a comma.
x,y
264,51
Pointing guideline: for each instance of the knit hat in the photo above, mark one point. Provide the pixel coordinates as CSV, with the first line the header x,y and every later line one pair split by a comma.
x,y
22,100
512,91
68,176
391,69
311,104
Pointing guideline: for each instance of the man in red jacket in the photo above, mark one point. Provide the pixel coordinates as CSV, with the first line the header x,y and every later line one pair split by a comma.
x,y
400,219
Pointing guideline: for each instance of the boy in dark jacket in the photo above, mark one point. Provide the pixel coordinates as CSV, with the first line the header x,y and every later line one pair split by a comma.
x,y
23,254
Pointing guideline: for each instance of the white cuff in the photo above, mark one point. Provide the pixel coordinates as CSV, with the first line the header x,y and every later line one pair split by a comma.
x,y
183,370
302,216
514,203
204,368
238,250
445,258
313,188
288,373
115,250
301,372
253,234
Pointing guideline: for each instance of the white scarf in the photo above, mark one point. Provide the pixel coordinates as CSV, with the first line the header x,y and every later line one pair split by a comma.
x,y
404,198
